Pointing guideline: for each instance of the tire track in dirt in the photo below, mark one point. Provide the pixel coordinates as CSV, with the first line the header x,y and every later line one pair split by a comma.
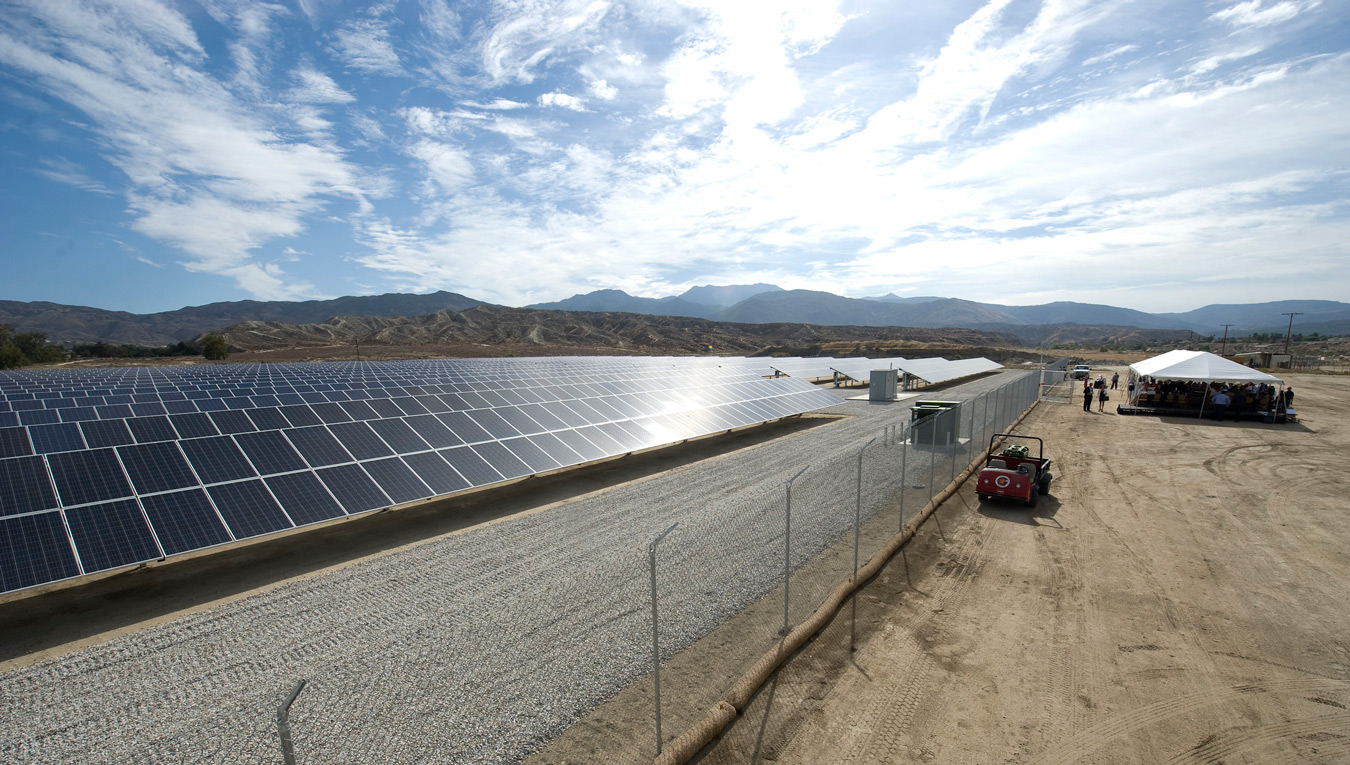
x,y
1081,747
981,543
1246,740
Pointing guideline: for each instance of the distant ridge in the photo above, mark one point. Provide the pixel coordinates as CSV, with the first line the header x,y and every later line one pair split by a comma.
x,y
80,324
766,304
725,296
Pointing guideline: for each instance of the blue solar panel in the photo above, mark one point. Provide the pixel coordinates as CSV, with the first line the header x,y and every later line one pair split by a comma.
x,y
466,429
353,488
360,440
270,452
156,467
14,442
151,429
111,534
184,521
101,433
318,446
330,413
400,437
248,508
304,498
88,476
217,459
195,425
398,481
34,549
301,416
268,419
24,486
436,472
501,460
232,422
64,437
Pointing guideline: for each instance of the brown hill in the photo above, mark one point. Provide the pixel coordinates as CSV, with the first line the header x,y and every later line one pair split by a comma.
x,y
579,331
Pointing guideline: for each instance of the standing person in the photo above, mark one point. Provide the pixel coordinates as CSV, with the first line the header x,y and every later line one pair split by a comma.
x,y
1288,398
1221,402
1115,380
1087,399
1101,399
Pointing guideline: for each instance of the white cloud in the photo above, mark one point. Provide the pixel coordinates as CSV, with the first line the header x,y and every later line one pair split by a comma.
x,y
449,167
67,172
208,173
602,90
315,87
1116,52
366,45
562,100
1252,14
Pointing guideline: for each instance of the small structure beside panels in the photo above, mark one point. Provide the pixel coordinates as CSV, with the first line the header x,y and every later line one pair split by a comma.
x,y
104,468
930,371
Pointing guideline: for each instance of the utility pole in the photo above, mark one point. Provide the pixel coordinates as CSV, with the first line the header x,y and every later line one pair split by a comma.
x,y
1224,347
1290,332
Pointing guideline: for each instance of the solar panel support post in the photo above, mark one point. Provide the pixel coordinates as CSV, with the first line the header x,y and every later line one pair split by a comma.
x,y
857,530
656,635
787,547
284,724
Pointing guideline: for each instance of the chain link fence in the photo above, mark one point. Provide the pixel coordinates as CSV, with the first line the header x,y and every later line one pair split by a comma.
x,y
793,546
484,646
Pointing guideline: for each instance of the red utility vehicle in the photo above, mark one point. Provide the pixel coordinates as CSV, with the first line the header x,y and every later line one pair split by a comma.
x,y
1013,472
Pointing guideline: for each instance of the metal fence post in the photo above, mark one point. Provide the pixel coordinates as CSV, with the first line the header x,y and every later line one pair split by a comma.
x,y
997,391
284,724
951,453
787,547
857,531
656,635
932,455
904,476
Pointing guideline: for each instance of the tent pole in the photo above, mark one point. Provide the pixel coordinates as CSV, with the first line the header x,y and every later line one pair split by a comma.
x,y
1203,396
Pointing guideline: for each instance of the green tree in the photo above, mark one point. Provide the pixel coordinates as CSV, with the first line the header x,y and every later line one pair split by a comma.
x,y
214,348
28,348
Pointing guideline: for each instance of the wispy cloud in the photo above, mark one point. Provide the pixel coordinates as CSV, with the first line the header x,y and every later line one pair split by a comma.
x,y
206,170
522,151
64,171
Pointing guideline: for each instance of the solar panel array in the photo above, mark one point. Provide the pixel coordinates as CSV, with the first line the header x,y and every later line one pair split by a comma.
x,y
932,371
104,468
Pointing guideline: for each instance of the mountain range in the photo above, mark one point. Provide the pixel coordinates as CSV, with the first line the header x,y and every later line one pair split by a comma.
x,y
742,304
763,303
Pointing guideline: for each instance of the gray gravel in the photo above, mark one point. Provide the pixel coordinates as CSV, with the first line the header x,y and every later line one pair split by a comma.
x,y
474,647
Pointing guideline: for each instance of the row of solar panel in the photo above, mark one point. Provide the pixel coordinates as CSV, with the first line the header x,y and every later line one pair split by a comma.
x,y
84,383
554,413
141,502
432,371
748,386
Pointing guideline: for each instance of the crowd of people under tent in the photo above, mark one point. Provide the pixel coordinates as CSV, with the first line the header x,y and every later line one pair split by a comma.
x,y
1236,398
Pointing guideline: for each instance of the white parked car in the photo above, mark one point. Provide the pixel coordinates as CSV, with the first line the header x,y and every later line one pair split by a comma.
x,y
1082,371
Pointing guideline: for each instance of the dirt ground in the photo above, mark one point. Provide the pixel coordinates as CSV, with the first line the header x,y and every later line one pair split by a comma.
x,y
1182,596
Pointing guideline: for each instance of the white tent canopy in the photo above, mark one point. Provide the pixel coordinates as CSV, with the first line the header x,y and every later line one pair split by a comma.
x,y
1199,366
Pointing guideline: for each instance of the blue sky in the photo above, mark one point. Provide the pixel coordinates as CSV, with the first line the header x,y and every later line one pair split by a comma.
x,y
1153,155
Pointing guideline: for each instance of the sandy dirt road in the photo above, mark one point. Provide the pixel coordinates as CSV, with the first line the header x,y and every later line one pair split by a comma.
x,y
1182,596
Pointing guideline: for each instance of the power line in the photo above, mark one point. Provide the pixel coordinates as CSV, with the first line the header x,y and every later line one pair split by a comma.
x,y
1291,316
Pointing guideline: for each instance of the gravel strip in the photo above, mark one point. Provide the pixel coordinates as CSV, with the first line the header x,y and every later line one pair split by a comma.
x,y
473,647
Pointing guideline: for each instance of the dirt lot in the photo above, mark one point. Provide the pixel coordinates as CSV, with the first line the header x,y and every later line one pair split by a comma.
x,y
1183,596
